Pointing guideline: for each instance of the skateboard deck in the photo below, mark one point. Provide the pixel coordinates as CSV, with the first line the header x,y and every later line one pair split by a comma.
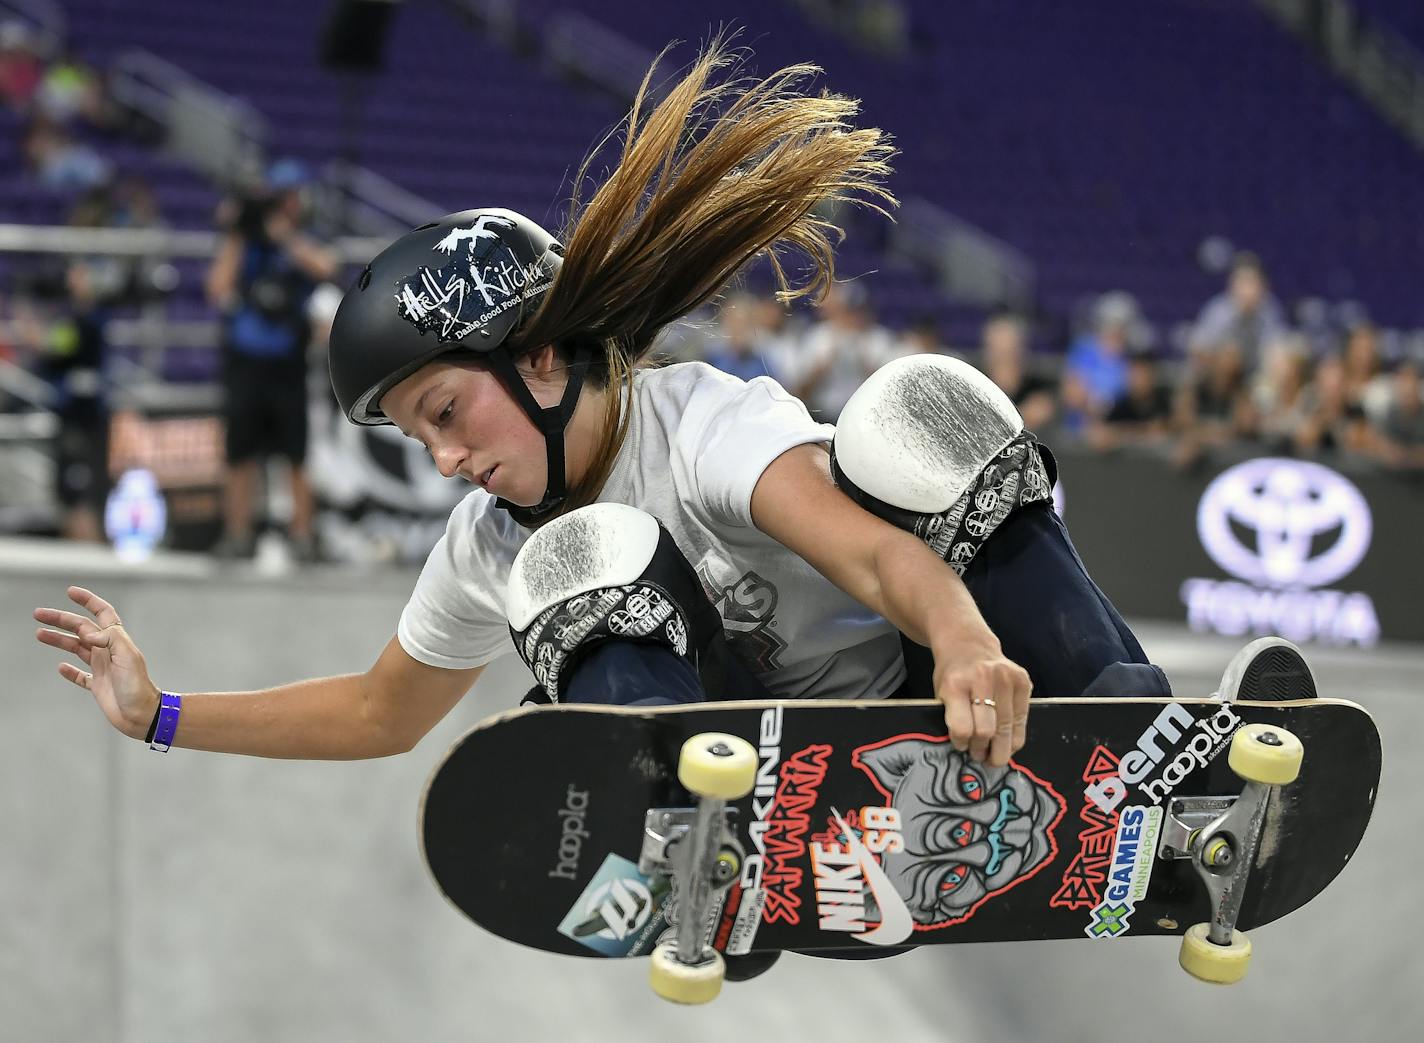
x,y
866,828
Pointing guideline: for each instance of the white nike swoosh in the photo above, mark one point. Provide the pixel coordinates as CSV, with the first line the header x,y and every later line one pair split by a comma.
x,y
896,923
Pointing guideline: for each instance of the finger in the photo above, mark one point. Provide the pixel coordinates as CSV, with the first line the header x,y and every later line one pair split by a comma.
x,y
958,715
64,642
104,613
984,722
1021,707
1005,700
71,621
99,638
73,674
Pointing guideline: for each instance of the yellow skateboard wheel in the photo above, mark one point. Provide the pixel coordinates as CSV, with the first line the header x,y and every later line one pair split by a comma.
x,y
717,765
1267,754
1206,961
680,983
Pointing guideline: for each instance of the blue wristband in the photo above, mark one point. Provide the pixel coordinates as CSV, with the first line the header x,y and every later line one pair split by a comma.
x,y
168,707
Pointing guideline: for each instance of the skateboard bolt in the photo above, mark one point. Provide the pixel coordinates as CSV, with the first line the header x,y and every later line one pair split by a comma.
x,y
1218,853
720,749
1269,739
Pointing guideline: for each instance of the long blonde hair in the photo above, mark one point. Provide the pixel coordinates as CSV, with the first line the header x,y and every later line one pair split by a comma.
x,y
725,168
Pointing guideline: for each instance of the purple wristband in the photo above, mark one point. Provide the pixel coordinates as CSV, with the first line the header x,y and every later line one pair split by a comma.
x,y
168,707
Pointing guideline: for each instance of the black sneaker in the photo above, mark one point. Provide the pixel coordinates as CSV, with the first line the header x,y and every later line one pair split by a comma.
x,y
1269,669
744,968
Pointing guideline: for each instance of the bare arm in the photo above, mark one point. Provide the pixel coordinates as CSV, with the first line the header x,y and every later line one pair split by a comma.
x,y
221,282
384,711
891,572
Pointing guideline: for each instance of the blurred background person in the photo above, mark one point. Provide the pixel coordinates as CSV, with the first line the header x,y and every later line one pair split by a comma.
x,y
1401,443
839,351
1367,385
1213,407
1244,315
1142,414
1004,359
21,70
261,279
1278,396
62,330
735,346
1095,370
921,337
781,331
1333,424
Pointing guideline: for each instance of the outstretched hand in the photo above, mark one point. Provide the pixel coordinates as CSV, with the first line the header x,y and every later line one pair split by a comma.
x,y
985,700
117,677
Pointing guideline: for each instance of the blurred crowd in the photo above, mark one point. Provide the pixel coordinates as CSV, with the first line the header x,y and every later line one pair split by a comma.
x,y
1242,376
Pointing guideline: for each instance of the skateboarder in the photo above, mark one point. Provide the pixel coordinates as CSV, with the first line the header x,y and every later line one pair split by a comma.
x,y
659,535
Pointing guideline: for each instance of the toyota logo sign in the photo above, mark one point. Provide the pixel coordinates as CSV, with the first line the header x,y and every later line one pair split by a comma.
x,y
1284,523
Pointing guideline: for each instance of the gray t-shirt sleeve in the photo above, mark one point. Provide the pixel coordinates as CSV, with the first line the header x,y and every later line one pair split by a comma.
x,y
739,438
455,616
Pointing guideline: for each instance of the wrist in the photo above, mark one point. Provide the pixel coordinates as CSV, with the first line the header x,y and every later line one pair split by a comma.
x,y
962,640
140,722
165,722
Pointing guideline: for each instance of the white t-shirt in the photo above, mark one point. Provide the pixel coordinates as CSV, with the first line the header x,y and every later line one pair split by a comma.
x,y
698,441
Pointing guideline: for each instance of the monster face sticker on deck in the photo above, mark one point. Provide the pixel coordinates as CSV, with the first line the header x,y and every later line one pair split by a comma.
x,y
947,836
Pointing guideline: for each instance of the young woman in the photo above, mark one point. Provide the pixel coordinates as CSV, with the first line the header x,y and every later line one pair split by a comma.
x,y
664,534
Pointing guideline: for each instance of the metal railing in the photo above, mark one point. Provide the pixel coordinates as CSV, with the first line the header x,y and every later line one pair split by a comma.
x,y
44,19
1382,66
216,133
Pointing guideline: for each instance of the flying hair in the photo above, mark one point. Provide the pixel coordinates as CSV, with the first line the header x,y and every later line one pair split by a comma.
x,y
725,168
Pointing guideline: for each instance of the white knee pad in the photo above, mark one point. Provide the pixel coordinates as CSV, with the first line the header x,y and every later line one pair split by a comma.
x,y
603,572
601,545
919,431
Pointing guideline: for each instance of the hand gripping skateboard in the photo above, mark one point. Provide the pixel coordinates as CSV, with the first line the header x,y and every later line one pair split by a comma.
x,y
688,832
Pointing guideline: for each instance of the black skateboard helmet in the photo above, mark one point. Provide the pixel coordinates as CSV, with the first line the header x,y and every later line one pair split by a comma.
x,y
462,284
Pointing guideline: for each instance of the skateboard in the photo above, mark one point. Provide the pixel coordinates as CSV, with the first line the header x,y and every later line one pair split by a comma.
x,y
686,833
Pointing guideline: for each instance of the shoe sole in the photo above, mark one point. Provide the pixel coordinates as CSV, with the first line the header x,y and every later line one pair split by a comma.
x,y
1275,675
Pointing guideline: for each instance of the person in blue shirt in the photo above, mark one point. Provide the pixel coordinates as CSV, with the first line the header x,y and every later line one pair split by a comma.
x,y
261,279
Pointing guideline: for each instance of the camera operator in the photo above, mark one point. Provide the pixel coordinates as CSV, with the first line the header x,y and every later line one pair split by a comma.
x,y
263,274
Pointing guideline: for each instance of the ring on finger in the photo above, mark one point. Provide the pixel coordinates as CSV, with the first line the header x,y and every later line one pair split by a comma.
x,y
985,702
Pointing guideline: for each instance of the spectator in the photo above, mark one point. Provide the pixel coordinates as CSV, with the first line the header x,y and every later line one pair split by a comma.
x,y
64,337
60,162
1278,396
1245,316
781,336
1333,423
921,338
20,67
839,352
1402,438
1004,359
70,90
736,347
1096,367
1366,384
1213,406
1142,414
266,269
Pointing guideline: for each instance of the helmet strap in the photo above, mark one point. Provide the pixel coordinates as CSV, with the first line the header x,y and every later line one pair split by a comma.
x,y
550,421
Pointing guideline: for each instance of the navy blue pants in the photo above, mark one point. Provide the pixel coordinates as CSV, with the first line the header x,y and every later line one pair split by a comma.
x,y
1030,586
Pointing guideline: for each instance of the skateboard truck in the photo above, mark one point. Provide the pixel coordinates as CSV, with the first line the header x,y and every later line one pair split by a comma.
x,y
1221,836
698,848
